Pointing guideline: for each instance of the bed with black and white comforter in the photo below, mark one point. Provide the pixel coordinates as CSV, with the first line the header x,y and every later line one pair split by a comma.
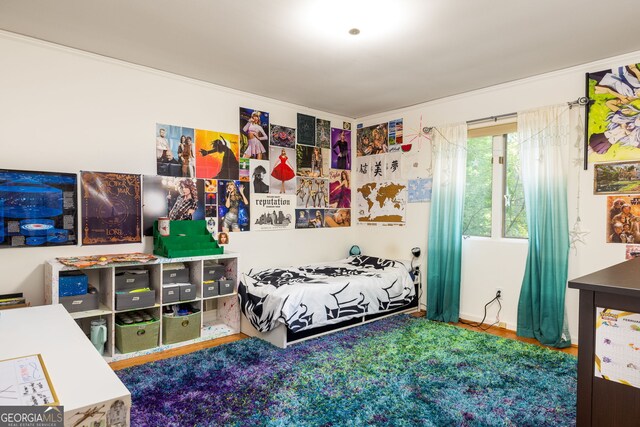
x,y
315,295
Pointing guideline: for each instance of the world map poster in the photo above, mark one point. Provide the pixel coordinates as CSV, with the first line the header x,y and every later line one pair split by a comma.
x,y
381,203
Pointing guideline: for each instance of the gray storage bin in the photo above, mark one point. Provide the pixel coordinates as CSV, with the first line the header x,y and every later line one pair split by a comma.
x,y
137,337
225,287
135,300
80,302
210,289
175,276
187,292
170,294
180,328
213,271
127,281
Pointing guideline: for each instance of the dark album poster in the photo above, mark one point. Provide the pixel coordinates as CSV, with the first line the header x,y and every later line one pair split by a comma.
x,y
111,208
37,209
306,129
175,198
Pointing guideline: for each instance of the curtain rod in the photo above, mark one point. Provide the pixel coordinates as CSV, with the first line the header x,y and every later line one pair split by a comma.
x,y
583,100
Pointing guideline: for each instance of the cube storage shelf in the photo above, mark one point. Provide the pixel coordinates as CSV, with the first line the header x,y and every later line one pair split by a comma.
x,y
218,316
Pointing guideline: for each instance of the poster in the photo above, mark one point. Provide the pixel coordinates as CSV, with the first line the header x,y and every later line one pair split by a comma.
x,y
312,193
613,132
339,189
259,177
254,141
617,349
372,140
273,212
282,171
111,204
381,202
616,178
362,169
233,206
392,166
632,251
337,218
623,219
38,209
323,133
217,155
420,190
176,198
282,136
340,148
244,167
395,135
175,151
312,161
309,218
306,129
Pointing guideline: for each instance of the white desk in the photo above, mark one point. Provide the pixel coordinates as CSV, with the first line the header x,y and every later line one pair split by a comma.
x,y
80,376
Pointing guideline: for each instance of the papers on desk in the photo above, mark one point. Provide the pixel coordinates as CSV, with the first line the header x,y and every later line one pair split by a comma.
x,y
24,381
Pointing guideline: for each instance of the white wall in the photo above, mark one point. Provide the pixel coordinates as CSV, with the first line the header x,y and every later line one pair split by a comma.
x,y
65,111
488,263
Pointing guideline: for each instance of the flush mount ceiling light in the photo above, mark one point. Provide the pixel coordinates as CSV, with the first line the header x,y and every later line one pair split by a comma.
x,y
354,31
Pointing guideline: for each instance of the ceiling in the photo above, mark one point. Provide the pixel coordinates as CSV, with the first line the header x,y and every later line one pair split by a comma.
x,y
299,51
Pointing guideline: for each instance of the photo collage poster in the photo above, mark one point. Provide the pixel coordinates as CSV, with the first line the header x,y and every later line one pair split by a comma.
x,y
38,209
381,188
111,208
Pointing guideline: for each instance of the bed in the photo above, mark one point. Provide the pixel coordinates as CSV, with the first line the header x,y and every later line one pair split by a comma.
x,y
288,305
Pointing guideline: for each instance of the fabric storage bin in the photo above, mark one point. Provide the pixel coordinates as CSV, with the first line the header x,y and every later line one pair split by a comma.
x,y
72,283
80,302
187,292
210,289
170,293
126,301
213,271
225,287
180,328
137,336
127,281
175,276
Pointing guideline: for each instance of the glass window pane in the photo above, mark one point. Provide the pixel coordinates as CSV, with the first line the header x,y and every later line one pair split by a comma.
x,y
477,197
515,216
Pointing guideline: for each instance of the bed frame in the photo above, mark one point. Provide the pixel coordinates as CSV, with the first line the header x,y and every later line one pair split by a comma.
x,y
283,337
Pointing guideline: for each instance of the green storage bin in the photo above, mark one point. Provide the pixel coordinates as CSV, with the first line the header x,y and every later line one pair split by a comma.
x,y
138,336
186,239
180,328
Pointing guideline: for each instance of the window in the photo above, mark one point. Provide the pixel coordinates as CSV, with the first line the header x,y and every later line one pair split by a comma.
x,y
494,197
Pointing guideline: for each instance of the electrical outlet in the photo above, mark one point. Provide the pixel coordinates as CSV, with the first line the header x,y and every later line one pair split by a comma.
x,y
499,293
502,325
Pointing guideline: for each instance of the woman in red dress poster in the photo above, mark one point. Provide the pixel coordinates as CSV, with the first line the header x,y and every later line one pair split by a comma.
x,y
283,172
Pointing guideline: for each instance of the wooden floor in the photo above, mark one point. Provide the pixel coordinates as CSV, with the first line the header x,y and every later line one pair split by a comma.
x,y
504,333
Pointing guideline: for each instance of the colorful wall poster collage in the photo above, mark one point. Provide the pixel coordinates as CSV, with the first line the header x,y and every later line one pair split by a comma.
x,y
381,193
613,136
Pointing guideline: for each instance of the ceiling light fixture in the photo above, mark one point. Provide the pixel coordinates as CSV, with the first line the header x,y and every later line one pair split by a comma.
x,y
354,31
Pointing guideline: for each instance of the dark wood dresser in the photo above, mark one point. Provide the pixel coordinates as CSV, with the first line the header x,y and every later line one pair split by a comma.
x,y
602,402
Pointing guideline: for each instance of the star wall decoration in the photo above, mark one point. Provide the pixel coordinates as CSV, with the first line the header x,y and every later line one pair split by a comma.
x,y
577,235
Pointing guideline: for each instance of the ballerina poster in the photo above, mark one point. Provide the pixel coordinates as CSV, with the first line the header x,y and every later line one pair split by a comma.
x,y
254,141
613,114
339,189
340,148
217,155
282,171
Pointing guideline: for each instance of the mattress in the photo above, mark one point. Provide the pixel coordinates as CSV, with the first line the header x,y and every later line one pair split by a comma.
x,y
314,295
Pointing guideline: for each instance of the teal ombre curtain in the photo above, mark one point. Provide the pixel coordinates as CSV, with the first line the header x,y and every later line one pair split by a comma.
x,y
445,224
543,136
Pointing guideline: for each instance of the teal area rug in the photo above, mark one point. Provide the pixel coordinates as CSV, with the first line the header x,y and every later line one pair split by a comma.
x,y
401,371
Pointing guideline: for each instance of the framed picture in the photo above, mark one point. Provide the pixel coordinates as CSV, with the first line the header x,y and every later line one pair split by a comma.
x,y
38,209
616,178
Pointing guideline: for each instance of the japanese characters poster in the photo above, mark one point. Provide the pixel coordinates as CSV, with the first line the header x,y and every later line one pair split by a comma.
x,y
233,206
340,149
254,141
175,151
111,205
38,209
273,212
217,155
176,198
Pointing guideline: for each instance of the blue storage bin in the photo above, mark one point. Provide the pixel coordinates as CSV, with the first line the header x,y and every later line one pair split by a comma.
x,y
72,283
